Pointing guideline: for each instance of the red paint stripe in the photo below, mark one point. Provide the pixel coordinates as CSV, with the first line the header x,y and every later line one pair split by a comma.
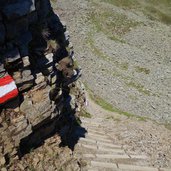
x,y
9,96
6,80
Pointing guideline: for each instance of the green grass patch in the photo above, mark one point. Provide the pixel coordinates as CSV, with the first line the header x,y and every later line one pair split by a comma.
x,y
123,3
109,107
142,70
159,10
155,13
112,24
113,118
85,114
138,87
95,50
168,126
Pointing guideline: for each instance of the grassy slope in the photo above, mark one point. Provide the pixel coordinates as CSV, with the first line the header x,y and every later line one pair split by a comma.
x,y
155,9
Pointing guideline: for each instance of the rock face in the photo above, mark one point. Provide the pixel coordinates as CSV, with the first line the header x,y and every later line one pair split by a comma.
x,y
35,50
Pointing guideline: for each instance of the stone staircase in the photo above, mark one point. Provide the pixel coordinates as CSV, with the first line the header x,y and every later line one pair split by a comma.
x,y
98,152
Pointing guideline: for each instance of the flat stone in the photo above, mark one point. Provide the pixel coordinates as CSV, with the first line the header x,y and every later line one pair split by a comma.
x,y
3,169
99,139
138,156
39,79
112,156
89,146
26,61
98,136
165,169
96,132
88,155
87,140
109,150
103,165
16,75
136,168
108,145
18,9
2,161
26,72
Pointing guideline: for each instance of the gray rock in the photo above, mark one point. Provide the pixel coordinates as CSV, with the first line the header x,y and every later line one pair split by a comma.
x,y
26,73
26,61
18,9
40,78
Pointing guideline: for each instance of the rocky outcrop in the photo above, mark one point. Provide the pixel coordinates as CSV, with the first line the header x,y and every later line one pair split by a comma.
x,y
35,50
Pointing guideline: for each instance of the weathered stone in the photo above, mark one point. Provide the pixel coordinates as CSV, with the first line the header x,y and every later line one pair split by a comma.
x,y
39,78
2,161
26,61
18,9
26,72
3,169
16,75
67,36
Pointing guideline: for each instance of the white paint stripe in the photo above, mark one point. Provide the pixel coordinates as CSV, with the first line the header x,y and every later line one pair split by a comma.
x,y
7,88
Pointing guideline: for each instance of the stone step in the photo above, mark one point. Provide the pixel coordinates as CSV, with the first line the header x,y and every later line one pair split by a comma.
x,y
103,144
99,144
102,150
108,150
92,147
87,140
97,132
98,136
112,156
104,165
136,168
100,139
138,156
165,169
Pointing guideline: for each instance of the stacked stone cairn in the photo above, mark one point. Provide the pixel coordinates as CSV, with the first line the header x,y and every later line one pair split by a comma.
x,y
35,50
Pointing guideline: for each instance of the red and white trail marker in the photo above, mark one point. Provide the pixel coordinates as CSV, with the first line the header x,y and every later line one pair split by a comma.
x,y
8,89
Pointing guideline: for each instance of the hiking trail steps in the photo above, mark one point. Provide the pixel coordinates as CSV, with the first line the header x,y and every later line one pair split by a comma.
x,y
98,151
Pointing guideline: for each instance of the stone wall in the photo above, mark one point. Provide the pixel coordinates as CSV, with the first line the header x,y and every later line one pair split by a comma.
x,y
35,50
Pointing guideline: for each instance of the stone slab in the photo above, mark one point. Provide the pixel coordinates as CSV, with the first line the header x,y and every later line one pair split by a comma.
x,y
104,165
136,168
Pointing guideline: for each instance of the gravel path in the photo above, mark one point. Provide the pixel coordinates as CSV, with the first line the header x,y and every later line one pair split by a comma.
x,y
132,73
